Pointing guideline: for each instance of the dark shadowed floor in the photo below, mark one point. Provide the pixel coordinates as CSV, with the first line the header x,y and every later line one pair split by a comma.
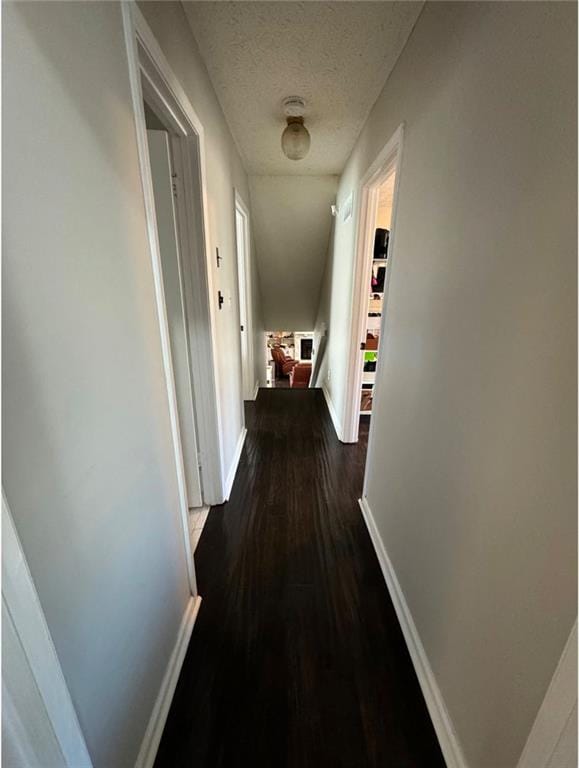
x,y
297,659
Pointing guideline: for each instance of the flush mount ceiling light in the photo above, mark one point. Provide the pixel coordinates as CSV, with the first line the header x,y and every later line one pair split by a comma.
x,y
295,140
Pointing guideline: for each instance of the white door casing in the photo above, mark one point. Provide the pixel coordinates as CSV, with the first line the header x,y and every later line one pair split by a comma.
x,y
153,80
245,297
552,742
387,162
164,191
40,726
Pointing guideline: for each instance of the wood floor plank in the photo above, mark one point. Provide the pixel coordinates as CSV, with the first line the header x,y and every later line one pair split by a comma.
x,y
297,659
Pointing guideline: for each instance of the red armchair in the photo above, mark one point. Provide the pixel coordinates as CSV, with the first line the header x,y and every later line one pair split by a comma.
x,y
300,375
283,365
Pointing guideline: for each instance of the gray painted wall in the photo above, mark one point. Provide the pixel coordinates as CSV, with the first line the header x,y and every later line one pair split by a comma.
x,y
472,475
291,221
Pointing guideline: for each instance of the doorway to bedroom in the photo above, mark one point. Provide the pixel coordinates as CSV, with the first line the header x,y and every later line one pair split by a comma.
x,y
375,299
372,271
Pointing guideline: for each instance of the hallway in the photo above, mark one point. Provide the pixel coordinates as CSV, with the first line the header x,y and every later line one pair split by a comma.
x,y
202,571
297,658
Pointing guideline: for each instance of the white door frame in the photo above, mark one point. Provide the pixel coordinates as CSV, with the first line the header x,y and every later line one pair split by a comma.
x,y
552,742
245,297
38,717
153,80
387,162
169,196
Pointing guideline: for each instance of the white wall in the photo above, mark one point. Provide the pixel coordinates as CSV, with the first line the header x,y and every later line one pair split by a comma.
x,y
259,362
472,474
224,172
88,463
291,220
385,200
321,354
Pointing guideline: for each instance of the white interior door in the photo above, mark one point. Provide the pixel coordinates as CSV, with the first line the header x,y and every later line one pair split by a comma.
x,y
163,188
241,232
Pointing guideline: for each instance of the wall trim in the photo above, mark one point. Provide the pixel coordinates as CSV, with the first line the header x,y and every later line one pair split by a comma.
x,y
256,390
234,464
333,414
21,601
245,292
546,746
439,715
389,159
152,79
154,731
130,24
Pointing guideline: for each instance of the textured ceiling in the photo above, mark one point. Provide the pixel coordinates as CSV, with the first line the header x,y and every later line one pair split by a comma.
x,y
291,258
337,55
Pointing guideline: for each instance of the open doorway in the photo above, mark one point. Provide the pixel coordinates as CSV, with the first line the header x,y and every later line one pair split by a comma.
x,y
165,157
166,189
170,141
242,243
373,266
289,357
375,299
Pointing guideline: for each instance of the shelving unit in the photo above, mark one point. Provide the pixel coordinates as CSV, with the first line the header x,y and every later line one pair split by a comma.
x,y
366,412
373,323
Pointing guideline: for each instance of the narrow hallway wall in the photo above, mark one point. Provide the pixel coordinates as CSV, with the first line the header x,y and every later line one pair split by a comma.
x,y
472,466
88,464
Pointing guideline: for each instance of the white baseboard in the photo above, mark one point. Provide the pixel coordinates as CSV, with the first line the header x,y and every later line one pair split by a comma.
x,y
441,721
256,390
333,414
234,464
152,738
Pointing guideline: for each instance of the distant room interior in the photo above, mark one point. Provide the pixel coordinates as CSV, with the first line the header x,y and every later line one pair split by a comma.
x,y
289,359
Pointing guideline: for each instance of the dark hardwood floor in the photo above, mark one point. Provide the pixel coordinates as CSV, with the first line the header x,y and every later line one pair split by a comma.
x,y
297,659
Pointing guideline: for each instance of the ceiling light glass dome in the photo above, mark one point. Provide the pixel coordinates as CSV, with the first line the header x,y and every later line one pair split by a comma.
x,y
295,140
